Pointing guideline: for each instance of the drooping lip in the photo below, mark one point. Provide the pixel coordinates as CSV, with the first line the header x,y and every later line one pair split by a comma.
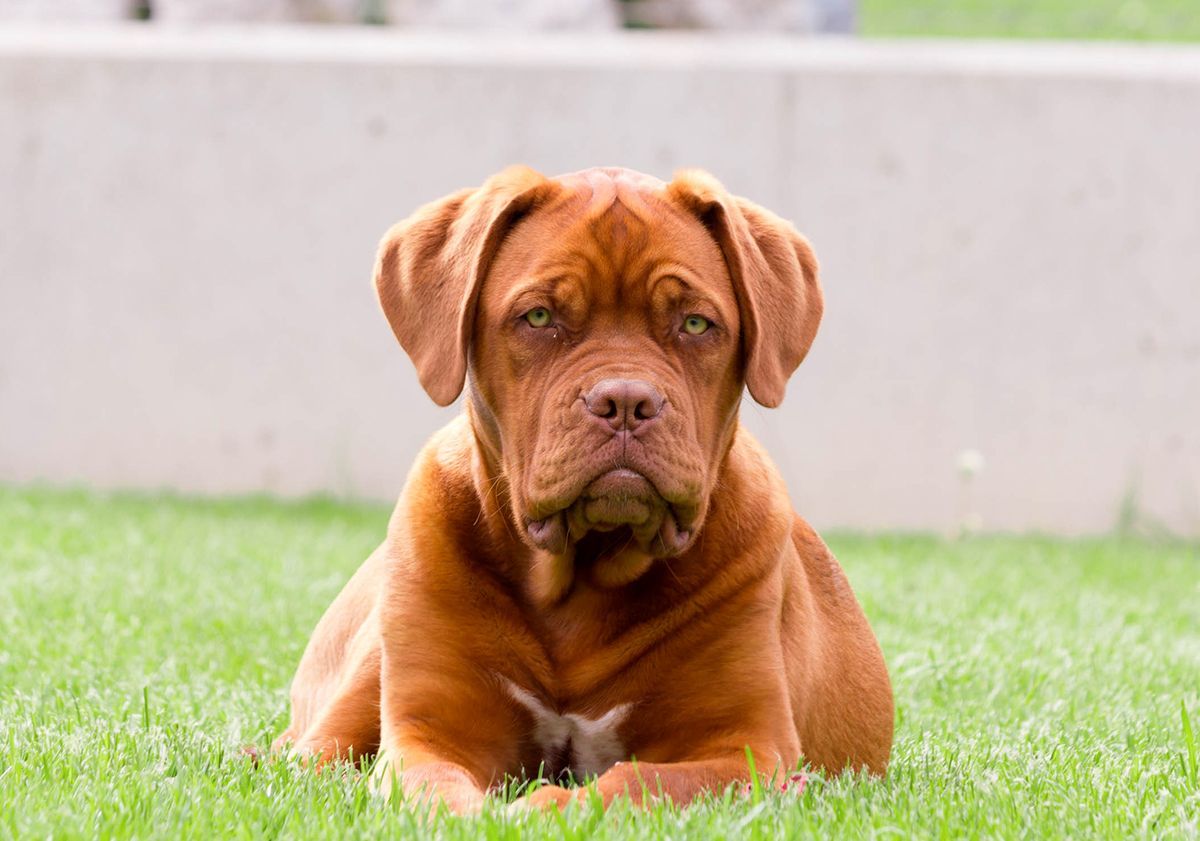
x,y
549,533
619,497
622,494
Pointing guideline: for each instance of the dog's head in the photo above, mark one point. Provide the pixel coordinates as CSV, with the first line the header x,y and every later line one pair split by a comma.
x,y
609,323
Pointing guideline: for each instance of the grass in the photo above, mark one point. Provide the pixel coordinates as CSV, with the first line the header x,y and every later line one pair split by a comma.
x,y
1160,20
1045,688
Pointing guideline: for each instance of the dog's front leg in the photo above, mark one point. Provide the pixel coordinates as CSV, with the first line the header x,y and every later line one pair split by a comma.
x,y
447,730
644,782
429,761
430,783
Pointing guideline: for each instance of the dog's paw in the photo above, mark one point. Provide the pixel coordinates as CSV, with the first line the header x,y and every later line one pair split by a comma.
x,y
793,784
547,797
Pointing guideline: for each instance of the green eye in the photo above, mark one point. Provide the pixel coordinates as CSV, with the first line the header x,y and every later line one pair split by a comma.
x,y
695,324
538,317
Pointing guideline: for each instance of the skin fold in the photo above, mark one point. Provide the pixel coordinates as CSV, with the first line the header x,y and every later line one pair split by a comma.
x,y
594,569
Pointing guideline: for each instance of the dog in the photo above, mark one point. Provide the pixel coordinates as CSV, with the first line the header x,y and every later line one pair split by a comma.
x,y
595,570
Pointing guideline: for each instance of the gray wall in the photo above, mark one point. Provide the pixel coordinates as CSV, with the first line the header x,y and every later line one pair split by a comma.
x,y
1010,238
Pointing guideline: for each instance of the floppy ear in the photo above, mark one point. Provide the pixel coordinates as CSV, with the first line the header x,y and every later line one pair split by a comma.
x,y
775,278
430,267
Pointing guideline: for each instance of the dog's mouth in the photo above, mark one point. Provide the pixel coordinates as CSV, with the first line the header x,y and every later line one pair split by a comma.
x,y
618,512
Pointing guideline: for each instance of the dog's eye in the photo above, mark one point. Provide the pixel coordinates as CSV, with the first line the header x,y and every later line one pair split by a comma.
x,y
695,324
538,317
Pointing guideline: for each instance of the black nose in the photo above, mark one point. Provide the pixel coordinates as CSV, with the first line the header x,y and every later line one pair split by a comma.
x,y
624,404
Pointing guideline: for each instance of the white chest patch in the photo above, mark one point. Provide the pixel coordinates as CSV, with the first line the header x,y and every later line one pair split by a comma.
x,y
569,741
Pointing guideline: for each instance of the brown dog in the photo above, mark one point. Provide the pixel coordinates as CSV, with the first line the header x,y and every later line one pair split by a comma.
x,y
595,563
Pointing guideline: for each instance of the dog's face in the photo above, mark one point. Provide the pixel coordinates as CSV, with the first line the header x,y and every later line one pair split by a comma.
x,y
606,351
609,322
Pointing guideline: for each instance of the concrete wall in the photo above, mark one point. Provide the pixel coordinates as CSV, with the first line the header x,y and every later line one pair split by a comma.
x,y
1010,238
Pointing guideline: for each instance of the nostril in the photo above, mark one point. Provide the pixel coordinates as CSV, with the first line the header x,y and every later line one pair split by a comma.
x,y
647,402
624,403
602,405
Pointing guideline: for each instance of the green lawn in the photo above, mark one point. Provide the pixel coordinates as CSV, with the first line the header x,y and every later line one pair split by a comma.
x,y
144,639
1170,20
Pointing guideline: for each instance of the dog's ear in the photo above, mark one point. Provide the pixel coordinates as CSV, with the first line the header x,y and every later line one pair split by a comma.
x,y
430,267
775,278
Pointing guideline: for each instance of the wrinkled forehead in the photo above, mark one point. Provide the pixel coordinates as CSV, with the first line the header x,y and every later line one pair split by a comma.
x,y
620,232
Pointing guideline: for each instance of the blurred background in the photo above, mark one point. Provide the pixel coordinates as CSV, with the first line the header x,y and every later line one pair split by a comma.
x,y
1005,197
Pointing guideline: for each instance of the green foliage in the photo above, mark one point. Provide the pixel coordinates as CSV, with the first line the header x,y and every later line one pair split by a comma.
x,y
1161,20
1191,770
1040,685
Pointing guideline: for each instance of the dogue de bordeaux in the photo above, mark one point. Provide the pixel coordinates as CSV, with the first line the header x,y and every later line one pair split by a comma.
x,y
594,569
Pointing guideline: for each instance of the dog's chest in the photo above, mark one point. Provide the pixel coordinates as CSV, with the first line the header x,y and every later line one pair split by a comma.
x,y
572,742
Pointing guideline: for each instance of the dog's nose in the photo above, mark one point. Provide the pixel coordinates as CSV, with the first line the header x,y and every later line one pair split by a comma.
x,y
624,404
